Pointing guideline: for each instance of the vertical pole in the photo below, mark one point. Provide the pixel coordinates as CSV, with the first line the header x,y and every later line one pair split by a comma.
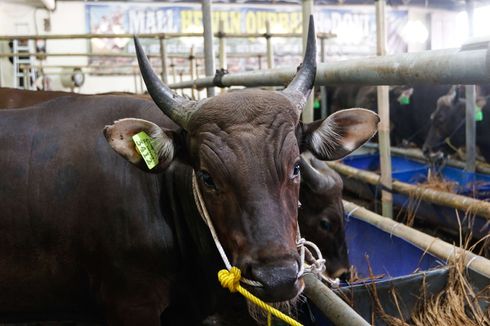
x,y
323,89
192,71
222,48
164,59
470,105
135,79
208,43
307,6
222,45
174,74
384,113
259,58
270,50
181,78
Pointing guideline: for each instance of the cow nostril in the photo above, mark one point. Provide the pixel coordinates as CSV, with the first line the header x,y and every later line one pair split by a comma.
x,y
279,279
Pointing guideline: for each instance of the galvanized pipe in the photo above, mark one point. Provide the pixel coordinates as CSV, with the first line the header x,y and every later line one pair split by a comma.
x,y
164,59
435,246
208,44
470,128
323,89
450,66
331,305
270,49
384,114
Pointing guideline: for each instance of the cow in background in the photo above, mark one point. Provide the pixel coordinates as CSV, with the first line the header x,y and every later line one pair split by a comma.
x,y
447,128
321,214
410,108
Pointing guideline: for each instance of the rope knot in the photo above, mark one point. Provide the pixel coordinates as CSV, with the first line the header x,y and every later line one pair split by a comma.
x,y
230,279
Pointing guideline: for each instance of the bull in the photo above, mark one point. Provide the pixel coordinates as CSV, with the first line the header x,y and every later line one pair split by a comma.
x,y
84,232
447,128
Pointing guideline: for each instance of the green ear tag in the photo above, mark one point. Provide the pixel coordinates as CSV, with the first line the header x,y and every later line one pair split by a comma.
x,y
478,114
144,144
404,100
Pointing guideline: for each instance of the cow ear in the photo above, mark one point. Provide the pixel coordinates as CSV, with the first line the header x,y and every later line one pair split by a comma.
x,y
340,133
120,136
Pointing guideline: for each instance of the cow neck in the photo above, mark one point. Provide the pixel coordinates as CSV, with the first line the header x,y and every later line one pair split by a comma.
x,y
316,266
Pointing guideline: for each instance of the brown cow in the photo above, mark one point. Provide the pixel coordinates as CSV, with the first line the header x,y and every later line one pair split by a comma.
x,y
84,231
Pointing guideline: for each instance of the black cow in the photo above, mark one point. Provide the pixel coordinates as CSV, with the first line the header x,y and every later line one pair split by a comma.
x,y
321,214
85,232
448,131
410,108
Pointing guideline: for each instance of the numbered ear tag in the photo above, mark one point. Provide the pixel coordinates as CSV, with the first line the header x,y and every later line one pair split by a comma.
x,y
144,144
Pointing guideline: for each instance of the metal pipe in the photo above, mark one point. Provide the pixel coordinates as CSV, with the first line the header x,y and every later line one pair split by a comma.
x,y
450,66
222,45
470,128
384,114
270,49
307,9
164,59
435,246
192,70
470,104
331,305
208,43
323,89
150,35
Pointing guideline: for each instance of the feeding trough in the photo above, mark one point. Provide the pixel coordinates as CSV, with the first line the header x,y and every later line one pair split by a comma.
x,y
393,270
474,185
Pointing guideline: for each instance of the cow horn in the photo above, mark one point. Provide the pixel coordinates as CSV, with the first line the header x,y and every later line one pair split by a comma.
x,y
176,107
305,77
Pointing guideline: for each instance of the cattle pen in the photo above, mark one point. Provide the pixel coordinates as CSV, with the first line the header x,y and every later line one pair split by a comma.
x,y
398,272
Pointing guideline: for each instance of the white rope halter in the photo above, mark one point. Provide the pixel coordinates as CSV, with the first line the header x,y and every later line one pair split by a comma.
x,y
316,267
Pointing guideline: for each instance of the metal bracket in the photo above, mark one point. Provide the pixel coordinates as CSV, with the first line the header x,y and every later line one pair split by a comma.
x,y
218,77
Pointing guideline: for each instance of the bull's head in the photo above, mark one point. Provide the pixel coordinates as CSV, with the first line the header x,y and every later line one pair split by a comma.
x,y
245,149
446,122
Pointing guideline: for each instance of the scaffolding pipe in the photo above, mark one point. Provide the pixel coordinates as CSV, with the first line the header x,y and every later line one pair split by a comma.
x,y
384,114
330,304
270,49
450,66
470,125
435,246
208,44
323,89
164,59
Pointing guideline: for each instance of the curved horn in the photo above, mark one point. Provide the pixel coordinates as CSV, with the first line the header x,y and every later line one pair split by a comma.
x,y
176,107
305,77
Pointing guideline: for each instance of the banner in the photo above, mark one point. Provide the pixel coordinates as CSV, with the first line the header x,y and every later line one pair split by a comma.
x,y
355,28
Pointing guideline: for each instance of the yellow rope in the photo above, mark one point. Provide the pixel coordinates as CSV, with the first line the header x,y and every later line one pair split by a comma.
x,y
231,280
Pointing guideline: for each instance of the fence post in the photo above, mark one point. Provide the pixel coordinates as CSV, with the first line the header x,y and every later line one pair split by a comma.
x,y
208,43
164,59
470,105
384,113
323,89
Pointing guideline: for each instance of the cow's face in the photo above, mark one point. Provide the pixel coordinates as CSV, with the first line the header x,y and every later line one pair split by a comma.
x,y
321,214
446,121
244,148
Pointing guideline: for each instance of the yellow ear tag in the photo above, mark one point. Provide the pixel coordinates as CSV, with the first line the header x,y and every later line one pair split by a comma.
x,y
144,145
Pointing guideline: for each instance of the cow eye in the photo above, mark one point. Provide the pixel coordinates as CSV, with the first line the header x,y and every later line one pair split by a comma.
x,y
325,224
296,170
206,179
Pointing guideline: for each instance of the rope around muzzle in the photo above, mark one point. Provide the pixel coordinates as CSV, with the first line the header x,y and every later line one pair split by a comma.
x,y
230,277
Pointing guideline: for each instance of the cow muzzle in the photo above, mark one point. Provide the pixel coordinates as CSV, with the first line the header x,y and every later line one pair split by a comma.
x,y
280,280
